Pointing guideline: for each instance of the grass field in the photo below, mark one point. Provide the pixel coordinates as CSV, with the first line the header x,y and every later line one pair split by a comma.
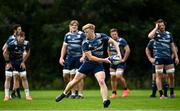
x,y
138,100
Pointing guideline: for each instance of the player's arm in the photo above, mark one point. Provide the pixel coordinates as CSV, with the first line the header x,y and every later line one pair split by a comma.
x,y
26,55
4,47
116,45
152,33
63,53
149,55
82,57
108,51
174,51
89,55
127,52
6,55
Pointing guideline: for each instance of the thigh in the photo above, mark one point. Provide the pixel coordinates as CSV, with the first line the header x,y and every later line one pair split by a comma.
x,y
100,75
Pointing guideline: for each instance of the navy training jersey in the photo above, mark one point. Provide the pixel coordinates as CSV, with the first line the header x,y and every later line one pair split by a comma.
x,y
162,44
122,43
150,45
10,39
96,46
74,41
16,50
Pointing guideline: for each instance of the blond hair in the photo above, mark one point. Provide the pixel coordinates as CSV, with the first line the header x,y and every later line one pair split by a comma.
x,y
74,22
88,26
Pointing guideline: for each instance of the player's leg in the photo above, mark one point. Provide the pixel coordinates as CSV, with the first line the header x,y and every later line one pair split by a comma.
x,y
80,85
113,82
159,72
70,85
18,89
74,89
8,75
120,78
23,75
100,76
170,71
165,83
80,89
15,83
154,87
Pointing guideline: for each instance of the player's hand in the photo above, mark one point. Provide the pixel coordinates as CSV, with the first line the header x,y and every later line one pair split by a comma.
x,y
157,26
8,65
22,65
106,60
61,61
177,60
151,60
81,59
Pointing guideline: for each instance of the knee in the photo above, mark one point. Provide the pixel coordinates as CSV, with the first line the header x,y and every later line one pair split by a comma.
x,y
23,78
101,82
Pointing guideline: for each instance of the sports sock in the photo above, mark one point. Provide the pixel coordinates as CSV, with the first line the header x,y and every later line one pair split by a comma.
x,y
6,92
154,88
160,93
13,92
165,88
125,88
114,92
26,92
171,91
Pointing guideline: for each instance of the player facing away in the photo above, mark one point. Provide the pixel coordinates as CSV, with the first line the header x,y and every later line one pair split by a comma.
x,y
72,49
16,30
162,50
93,63
117,71
15,58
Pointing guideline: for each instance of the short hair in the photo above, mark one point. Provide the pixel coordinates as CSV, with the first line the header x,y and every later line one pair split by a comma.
x,y
113,30
15,26
74,22
160,21
88,26
22,34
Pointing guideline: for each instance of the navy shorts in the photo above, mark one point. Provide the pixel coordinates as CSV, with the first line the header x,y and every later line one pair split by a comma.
x,y
16,67
119,66
90,67
72,63
163,61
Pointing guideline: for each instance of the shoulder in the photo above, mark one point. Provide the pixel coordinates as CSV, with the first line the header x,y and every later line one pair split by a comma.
x,y
26,42
80,32
12,43
168,33
101,35
67,34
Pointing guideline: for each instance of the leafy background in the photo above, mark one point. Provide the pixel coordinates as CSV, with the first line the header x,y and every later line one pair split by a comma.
x,y
46,21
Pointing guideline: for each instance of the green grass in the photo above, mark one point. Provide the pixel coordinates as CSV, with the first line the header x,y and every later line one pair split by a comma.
x,y
45,100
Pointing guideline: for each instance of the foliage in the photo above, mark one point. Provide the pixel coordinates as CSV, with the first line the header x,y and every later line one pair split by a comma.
x,y
46,21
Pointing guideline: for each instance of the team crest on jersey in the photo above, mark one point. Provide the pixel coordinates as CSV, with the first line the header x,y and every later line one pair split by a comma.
x,y
78,36
69,37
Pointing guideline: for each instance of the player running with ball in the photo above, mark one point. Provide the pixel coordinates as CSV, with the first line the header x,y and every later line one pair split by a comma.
x,y
93,63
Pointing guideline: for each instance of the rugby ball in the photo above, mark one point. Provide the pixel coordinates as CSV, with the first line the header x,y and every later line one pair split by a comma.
x,y
114,59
